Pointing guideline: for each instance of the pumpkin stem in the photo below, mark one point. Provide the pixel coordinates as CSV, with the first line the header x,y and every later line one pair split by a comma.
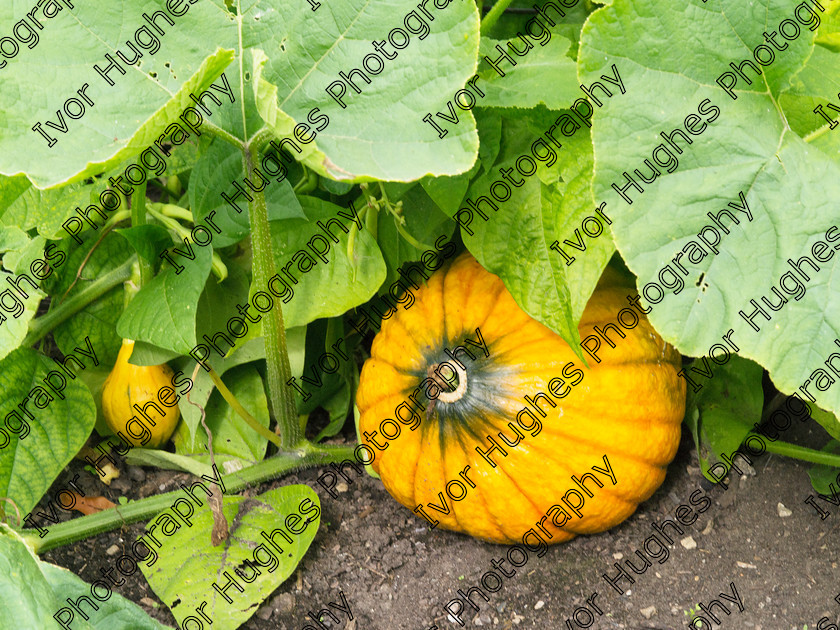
x,y
450,392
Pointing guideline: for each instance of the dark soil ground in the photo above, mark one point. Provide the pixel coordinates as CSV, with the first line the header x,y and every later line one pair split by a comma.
x,y
397,574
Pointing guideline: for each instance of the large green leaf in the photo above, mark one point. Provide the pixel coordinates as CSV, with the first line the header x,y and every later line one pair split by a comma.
x,y
32,592
29,465
183,576
125,118
305,55
748,148
525,85
425,223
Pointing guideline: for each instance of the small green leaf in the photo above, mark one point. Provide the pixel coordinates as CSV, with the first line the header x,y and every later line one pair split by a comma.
x,y
12,239
231,435
163,312
16,313
722,413
424,221
147,240
184,575
190,430
218,165
822,476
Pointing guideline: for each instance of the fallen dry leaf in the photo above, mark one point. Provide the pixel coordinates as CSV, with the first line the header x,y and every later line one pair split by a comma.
x,y
90,505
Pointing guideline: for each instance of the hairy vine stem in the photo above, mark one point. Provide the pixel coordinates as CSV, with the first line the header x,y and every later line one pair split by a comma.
x,y
279,371
142,509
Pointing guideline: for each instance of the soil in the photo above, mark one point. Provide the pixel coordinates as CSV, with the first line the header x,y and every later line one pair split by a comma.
x,y
398,574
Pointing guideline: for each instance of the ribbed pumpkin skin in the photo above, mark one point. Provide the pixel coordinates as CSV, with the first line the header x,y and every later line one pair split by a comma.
x,y
628,407
128,385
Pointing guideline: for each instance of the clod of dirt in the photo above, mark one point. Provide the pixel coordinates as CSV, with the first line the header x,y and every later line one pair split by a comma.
x,y
688,542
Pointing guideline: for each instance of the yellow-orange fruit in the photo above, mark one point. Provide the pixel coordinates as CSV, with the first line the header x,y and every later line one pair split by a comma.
x,y
628,407
128,385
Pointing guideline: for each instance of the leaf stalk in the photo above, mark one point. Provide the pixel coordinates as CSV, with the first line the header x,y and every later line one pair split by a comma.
x,y
39,328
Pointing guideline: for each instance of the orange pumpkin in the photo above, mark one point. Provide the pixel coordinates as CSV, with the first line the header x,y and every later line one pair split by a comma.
x,y
628,407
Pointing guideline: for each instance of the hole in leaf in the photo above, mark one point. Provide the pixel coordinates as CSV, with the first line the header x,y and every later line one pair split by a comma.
x,y
247,76
175,603
700,280
153,74
166,64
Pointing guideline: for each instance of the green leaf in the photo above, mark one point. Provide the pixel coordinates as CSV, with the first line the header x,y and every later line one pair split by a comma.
x,y
183,577
822,476
424,221
190,431
19,260
40,450
447,192
99,318
790,188
828,421
147,240
32,592
515,242
231,436
305,56
163,312
114,127
46,210
525,85
12,239
326,289
722,413
16,312
150,354
218,165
